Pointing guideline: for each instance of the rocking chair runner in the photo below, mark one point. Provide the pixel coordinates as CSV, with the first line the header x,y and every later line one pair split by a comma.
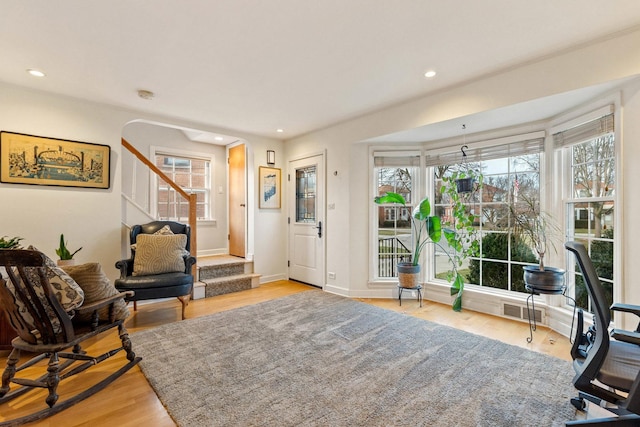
x,y
46,329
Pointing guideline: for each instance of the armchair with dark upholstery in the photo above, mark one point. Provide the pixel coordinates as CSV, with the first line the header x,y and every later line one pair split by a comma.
x,y
607,367
166,279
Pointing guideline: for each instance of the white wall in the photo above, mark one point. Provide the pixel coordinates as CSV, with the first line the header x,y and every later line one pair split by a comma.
x,y
89,217
598,63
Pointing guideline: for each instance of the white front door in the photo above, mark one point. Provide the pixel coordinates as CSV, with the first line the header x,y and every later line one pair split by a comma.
x,y
306,220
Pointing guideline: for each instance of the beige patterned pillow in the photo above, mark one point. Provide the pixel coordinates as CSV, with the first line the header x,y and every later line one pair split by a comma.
x,y
66,290
162,232
64,287
157,254
96,286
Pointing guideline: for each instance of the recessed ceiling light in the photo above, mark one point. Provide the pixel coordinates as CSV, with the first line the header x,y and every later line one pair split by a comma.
x,y
35,73
430,74
218,138
279,130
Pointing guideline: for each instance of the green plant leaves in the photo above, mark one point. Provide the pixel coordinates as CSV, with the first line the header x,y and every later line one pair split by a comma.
x,y
434,228
390,198
457,288
62,252
423,210
10,243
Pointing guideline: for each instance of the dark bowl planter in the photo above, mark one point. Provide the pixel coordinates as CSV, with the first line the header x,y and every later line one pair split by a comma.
x,y
548,281
408,275
465,185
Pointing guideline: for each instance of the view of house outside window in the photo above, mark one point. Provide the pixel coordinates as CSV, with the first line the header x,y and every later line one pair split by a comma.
x,y
508,181
194,176
590,209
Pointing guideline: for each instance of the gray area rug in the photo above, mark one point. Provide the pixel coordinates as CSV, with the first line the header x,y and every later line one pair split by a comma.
x,y
316,359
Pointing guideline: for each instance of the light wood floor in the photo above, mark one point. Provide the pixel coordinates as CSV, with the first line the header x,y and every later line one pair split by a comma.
x,y
130,400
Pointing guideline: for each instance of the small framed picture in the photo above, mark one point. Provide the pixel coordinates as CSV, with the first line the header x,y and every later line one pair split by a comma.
x,y
269,187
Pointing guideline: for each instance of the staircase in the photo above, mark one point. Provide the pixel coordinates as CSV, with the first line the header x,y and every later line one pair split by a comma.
x,y
224,274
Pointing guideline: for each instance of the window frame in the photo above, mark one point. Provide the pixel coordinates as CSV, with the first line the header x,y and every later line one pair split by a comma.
x,y
418,189
610,105
154,181
486,149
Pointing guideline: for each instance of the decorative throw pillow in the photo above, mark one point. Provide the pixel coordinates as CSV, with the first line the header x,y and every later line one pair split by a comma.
x,y
157,254
66,290
164,231
96,286
64,287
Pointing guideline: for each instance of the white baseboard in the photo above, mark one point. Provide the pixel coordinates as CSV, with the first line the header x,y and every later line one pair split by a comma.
x,y
272,278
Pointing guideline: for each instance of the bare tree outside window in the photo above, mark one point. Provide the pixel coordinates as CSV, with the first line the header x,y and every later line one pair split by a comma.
x,y
591,208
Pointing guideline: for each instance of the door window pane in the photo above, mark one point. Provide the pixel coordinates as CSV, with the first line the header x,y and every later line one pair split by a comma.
x,y
306,194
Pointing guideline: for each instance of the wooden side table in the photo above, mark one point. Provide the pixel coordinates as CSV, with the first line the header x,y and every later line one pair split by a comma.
x,y
6,332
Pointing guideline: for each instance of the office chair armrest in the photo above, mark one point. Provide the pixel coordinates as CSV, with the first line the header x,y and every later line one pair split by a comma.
x,y
627,308
125,266
626,336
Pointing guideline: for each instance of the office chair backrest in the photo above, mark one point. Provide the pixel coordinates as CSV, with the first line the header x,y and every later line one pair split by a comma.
x,y
601,312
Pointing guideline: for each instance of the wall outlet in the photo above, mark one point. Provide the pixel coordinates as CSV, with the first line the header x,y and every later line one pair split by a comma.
x,y
332,275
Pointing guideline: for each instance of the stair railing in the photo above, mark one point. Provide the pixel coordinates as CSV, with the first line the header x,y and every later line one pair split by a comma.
x,y
190,198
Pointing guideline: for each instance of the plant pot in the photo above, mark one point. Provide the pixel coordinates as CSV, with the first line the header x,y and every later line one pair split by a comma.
x,y
408,275
465,185
65,262
548,281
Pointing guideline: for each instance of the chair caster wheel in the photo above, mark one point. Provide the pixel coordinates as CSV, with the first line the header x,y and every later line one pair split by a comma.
x,y
579,403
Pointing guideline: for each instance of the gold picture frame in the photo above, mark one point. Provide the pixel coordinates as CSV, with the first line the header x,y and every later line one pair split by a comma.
x,y
269,186
38,160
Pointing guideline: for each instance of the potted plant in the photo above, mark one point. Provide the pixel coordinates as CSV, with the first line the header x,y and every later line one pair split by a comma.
x,y
425,227
66,256
10,243
462,236
465,176
539,230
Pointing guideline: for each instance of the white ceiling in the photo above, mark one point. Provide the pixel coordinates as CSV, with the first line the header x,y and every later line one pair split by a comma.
x,y
254,66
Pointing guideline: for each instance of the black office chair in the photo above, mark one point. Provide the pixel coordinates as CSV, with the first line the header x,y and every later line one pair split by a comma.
x,y
606,369
174,277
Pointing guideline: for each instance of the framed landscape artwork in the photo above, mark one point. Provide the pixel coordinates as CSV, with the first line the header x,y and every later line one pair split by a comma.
x,y
269,188
28,159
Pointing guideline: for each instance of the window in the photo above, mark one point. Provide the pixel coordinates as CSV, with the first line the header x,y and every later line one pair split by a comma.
x,y
590,153
509,181
393,223
191,173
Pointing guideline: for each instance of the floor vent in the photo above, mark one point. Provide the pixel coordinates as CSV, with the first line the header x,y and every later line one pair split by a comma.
x,y
520,312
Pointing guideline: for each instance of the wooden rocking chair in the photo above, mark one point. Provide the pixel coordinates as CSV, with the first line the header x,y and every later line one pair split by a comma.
x,y
45,329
